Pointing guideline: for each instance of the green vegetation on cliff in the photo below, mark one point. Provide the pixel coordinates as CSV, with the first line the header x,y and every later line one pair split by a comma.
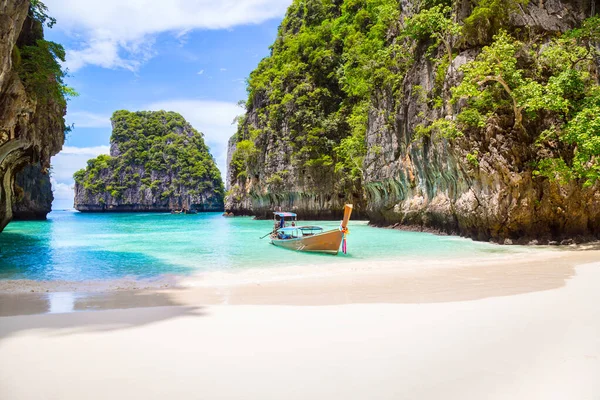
x,y
551,92
33,101
156,151
333,61
326,63
38,61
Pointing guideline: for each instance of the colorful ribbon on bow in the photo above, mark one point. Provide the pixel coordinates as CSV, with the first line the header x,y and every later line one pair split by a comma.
x,y
345,231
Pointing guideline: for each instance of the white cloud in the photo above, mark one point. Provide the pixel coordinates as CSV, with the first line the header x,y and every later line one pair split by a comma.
x,y
182,37
84,119
71,159
223,69
89,151
200,72
119,34
63,195
104,52
212,118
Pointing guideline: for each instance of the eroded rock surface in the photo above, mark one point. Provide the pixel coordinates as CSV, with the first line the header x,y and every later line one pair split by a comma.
x,y
31,130
33,194
430,184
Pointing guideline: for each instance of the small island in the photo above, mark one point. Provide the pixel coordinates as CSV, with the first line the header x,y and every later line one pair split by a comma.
x,y
157,162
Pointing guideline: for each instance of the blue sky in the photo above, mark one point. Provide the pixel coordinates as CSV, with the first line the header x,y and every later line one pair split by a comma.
x,y
189,56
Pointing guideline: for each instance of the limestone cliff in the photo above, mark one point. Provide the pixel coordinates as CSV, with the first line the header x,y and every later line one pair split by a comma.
x,y
272,180
33,194
157,162
367,87
32,106
481,185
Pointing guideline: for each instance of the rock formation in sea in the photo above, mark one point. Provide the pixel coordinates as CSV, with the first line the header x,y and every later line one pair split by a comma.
x,y
32,194
32,96
473,118
157,162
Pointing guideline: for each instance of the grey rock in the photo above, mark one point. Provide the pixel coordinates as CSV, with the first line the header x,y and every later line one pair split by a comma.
x,y
31,131
552,15
428,182
231,146
33,200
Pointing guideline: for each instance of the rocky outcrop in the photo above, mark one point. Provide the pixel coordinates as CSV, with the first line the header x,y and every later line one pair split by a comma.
x,y
33,194
146,199
158,162
230,150
31,127
279,184
431,184
272,177
481,185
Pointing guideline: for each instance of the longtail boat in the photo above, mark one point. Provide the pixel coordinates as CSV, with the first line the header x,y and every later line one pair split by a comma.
x,y
309,238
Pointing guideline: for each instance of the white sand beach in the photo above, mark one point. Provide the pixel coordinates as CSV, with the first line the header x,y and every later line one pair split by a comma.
x,y
514,330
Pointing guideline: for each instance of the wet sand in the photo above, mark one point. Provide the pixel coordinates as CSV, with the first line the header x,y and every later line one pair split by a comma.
x,y
524,327
405,281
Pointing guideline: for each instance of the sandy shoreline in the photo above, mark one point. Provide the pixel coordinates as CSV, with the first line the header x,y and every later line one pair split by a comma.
x,y
518,327
400,281
538,344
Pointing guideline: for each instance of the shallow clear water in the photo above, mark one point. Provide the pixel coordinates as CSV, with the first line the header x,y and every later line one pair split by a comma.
x,y
75,246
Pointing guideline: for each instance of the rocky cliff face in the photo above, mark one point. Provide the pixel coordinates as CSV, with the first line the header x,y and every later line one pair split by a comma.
x,y
157,162
274,182
31,126
432,184
483,184
230,150
33,194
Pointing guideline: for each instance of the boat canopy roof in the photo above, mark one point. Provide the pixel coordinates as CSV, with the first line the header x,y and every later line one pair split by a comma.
x,y
288,230
302,228
284,214
310,228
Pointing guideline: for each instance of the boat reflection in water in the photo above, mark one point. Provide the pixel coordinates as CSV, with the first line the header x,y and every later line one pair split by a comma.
x,y
309,238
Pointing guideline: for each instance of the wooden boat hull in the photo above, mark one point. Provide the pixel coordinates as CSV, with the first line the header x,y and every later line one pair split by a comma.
x,y
328,242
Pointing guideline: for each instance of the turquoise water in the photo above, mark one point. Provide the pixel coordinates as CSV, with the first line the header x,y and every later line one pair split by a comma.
x,y
74,246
